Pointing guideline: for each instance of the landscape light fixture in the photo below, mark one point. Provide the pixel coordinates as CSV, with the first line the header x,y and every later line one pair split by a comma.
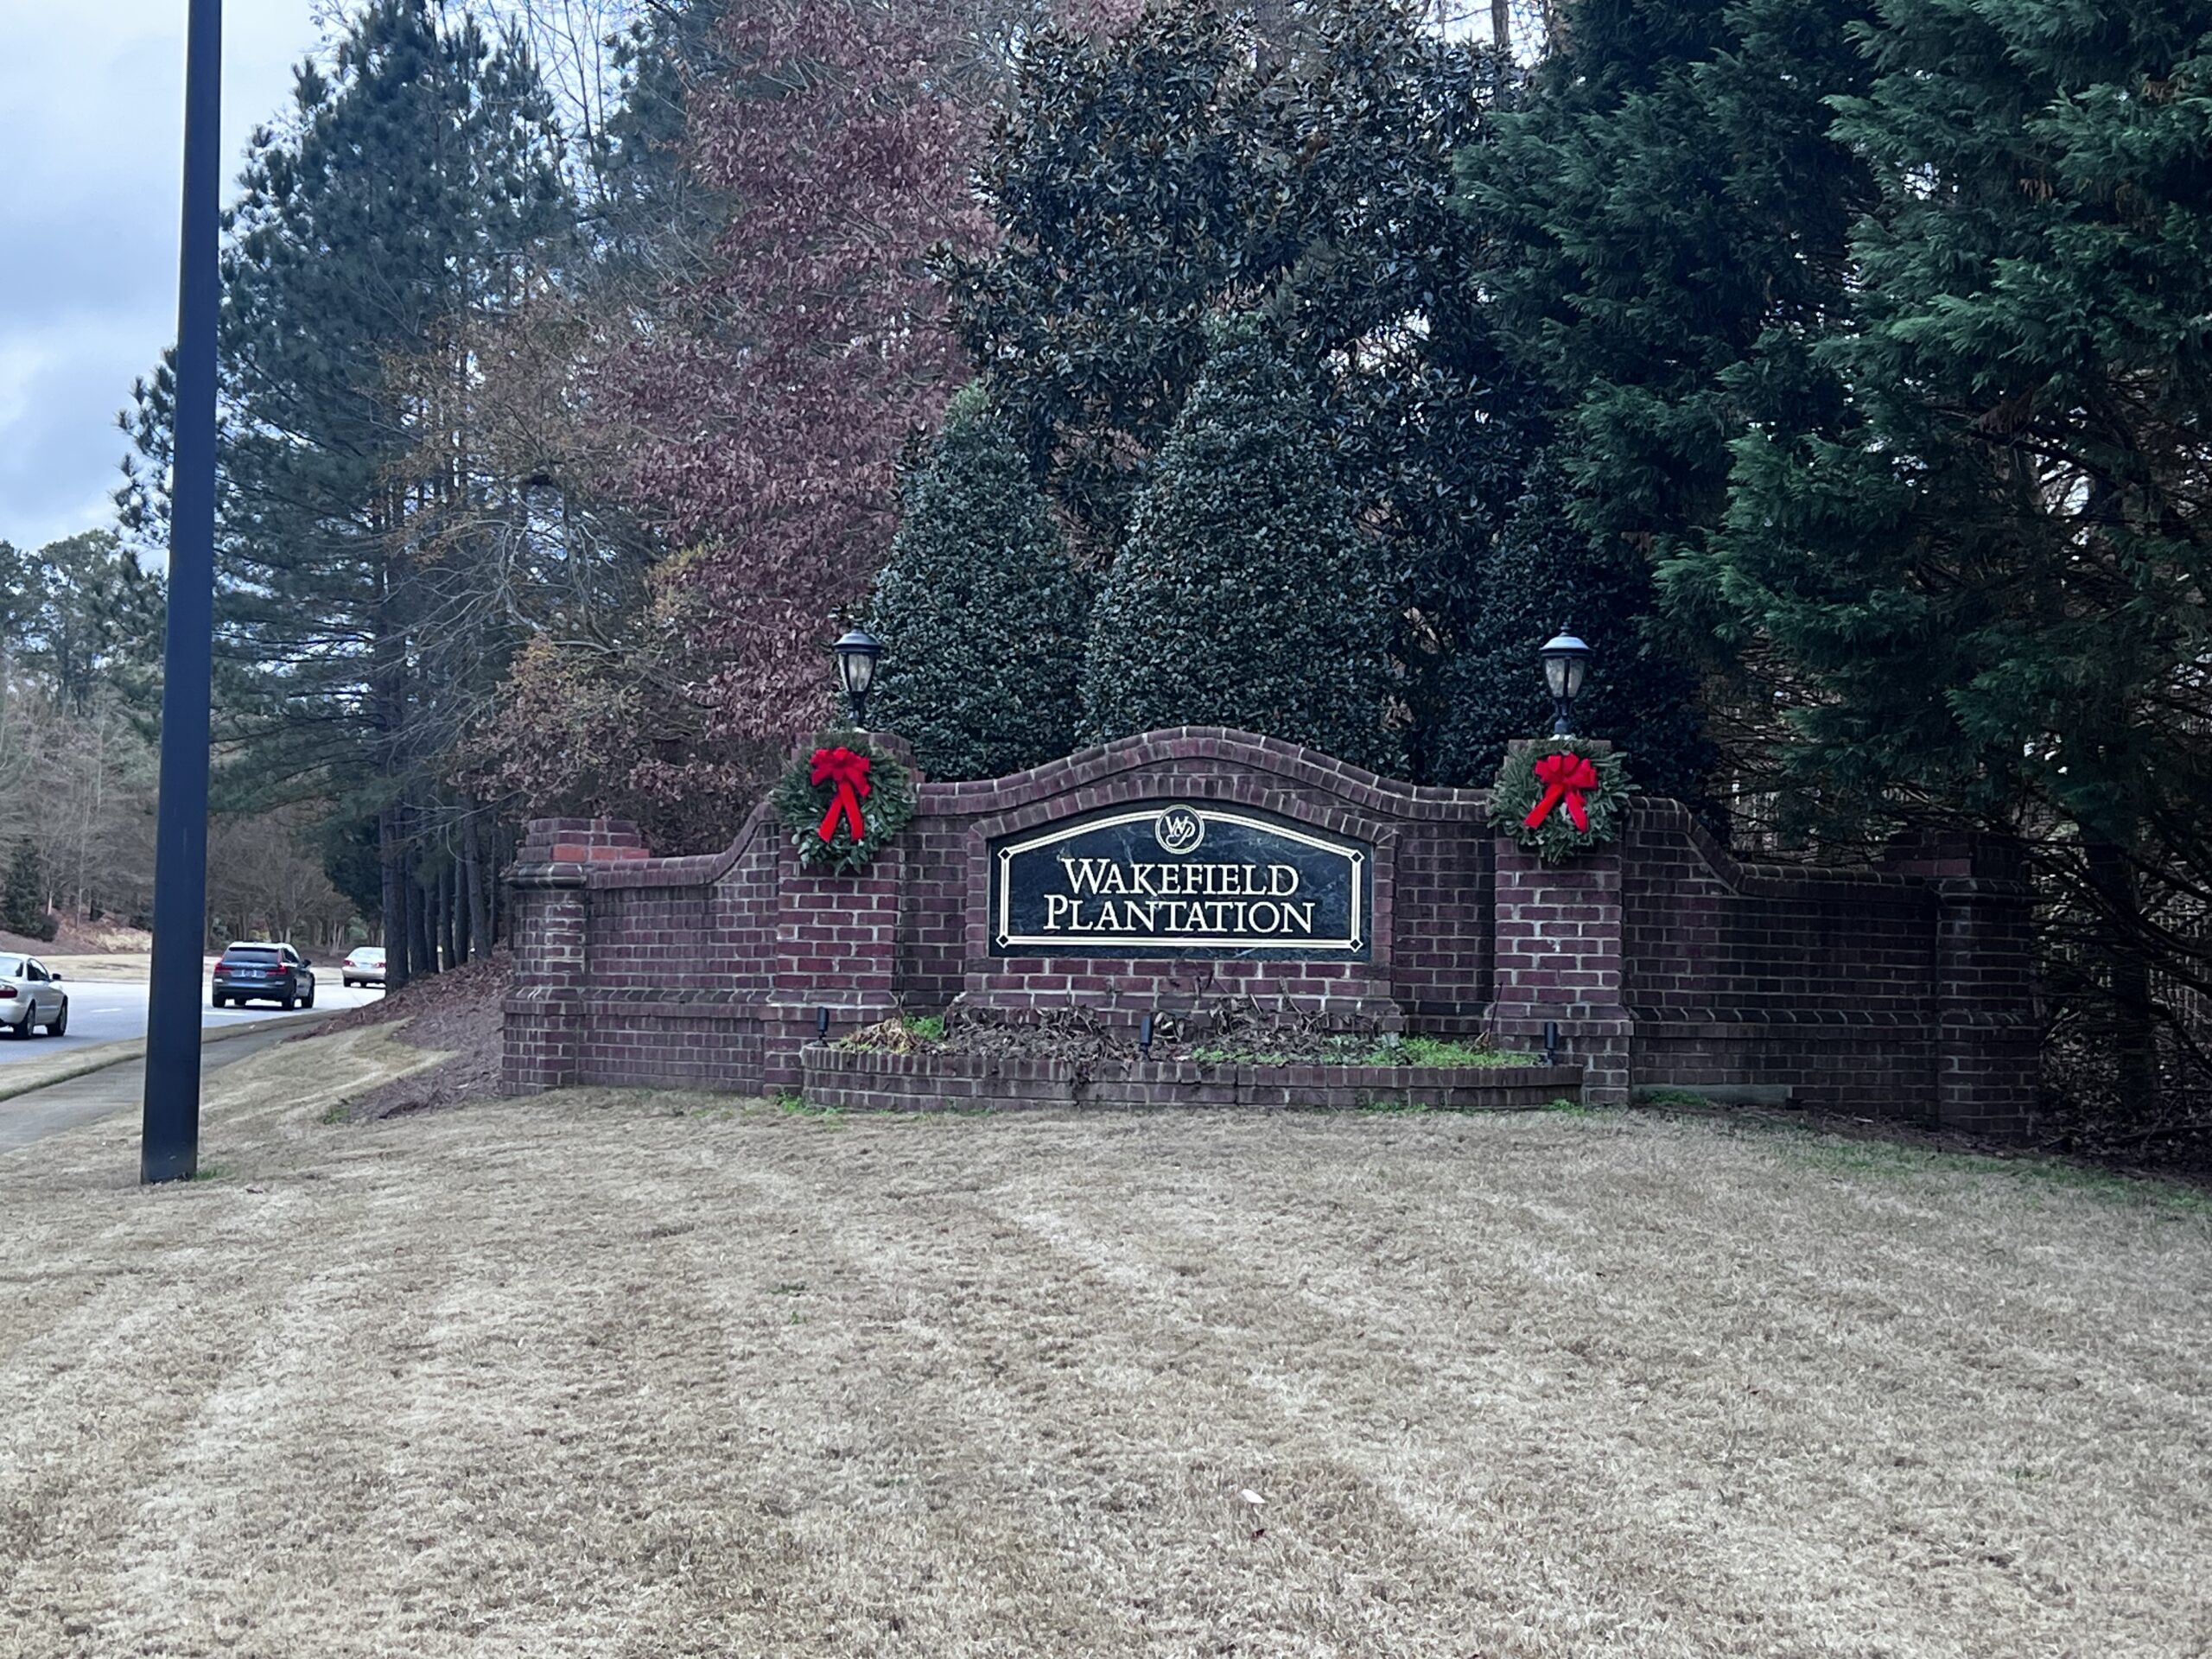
x,y
856,655
1565,659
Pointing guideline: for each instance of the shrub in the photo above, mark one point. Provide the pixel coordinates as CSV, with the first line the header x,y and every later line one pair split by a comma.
x,y
1246,595
979,610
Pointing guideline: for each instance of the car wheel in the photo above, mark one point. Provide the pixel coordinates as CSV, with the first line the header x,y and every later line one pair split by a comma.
x,y
22,1030
307,1001
59,1026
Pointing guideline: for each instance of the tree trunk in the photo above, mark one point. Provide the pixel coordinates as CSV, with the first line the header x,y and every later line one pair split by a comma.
x,y
2127,966
391,854
460,925
418,927
450,912
479,908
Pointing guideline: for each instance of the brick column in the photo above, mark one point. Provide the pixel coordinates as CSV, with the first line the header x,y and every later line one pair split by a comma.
x,y
1989,1049
1988,1041
549,928
1557,934
836,944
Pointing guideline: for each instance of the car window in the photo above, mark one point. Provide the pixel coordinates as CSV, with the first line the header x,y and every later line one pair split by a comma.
x,y
11,969
235,954
32,971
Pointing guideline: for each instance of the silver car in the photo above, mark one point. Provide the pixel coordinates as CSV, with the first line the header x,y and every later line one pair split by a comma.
x,y
30,997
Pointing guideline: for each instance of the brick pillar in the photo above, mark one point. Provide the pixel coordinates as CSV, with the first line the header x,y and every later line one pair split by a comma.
x,y
1988,1041
1988,1048
836,945
549,930
1557,933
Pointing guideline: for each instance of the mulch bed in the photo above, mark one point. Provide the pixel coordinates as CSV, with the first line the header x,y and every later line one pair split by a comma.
x,y
456,1012
1077,1035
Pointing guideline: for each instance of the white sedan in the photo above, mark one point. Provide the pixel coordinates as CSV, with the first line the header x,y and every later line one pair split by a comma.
x,y
364,966
31,997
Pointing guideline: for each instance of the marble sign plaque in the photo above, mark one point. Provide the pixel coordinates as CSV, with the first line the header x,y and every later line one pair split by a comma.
x,y
1182,879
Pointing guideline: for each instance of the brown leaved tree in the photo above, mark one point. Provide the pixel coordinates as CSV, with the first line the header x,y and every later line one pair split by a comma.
x,y
764,407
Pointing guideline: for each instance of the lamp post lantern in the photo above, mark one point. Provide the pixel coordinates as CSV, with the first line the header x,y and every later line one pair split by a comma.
x,y
1565,660
169,1128
856,655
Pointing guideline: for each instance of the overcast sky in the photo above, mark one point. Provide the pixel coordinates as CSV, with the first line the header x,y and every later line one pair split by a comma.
x,y
92,123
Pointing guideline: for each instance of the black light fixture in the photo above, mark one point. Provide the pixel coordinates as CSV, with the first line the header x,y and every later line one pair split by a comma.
x,y
1565,659
856,655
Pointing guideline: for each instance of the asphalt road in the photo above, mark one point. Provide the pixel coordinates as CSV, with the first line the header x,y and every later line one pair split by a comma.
x,y
106,1013
111,1090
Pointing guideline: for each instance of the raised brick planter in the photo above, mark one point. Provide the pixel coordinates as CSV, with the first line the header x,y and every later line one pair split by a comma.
x,y
858,1080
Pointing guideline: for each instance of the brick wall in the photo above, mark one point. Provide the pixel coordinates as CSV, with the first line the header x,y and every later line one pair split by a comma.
x,y
1904,991
1662,959
860,1081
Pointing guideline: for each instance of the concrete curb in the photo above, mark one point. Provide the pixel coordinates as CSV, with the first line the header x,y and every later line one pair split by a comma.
x,y
100,1056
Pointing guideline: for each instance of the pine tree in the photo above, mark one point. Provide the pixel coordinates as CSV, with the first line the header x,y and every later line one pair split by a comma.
x,y
1546,575
1247,594
981,615
1664,219
364,565
22,903
90,613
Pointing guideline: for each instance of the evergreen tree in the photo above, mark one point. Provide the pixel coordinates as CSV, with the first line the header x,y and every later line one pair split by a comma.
x,y
22,904
981,615
1247,594
364,565
87,614
1664,219
1297,161
1984,597
1546,575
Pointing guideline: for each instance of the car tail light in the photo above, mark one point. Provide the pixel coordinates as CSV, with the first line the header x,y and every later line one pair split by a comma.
x,y
7,993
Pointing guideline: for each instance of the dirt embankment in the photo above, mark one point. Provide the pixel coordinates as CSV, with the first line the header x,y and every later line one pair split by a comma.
x,y
455,1013
79,938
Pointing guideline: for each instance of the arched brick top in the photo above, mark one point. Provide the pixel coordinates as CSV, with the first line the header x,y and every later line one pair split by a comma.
x,y
1101,764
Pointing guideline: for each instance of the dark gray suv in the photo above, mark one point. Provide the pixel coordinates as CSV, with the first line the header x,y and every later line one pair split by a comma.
x,y
260,972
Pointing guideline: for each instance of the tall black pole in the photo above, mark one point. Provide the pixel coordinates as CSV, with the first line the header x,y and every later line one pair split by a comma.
x,y
169,1148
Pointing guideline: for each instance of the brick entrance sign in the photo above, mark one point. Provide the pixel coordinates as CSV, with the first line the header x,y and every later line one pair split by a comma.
x,y
1177,871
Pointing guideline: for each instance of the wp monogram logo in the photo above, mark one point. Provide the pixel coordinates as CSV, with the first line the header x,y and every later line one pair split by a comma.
x,y
1178,830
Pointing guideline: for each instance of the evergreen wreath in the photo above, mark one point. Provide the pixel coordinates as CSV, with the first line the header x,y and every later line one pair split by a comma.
x,y
843,801
1559,797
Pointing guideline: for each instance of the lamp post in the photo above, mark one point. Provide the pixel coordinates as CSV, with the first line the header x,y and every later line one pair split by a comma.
x,y
856,655
168,1147
1565,660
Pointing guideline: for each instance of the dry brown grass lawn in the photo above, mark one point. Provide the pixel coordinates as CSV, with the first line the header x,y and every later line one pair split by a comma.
x,y
652,1374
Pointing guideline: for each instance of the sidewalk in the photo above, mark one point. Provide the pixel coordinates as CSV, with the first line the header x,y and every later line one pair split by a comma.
x,y
37,1113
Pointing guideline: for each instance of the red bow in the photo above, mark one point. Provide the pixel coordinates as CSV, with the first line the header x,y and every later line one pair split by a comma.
x,y
849,772
1565,776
